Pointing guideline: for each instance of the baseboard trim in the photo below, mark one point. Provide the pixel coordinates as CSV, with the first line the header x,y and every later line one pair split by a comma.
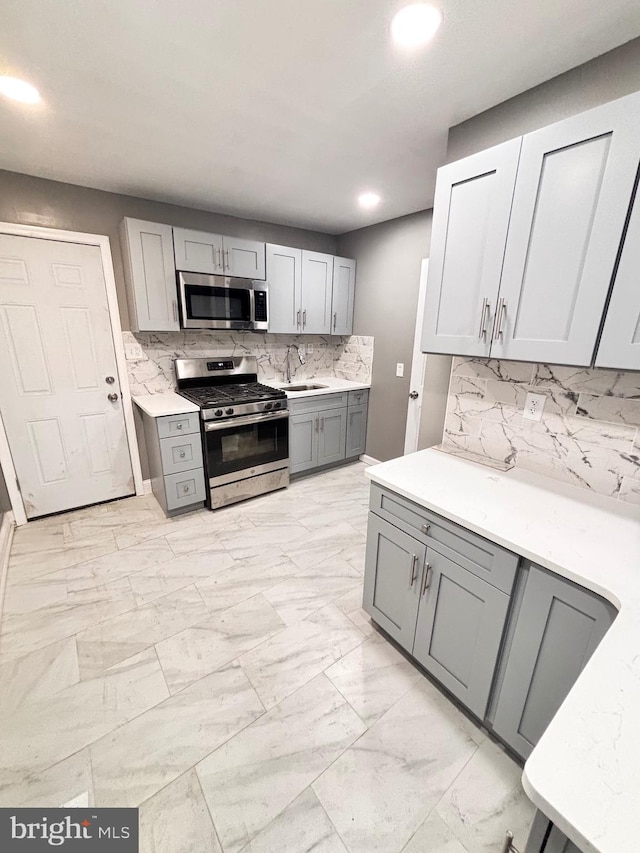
x,y
146,487
6,538
369,460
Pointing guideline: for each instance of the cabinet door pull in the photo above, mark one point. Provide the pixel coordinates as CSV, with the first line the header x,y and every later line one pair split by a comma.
x,y
317,423
427,578
501,310
174,306
483,318
335,320
298,319
227,264
425,528
414,569
304,318
508,847
322,424
219,258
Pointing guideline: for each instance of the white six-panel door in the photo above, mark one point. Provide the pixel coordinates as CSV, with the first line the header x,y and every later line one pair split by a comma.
x,y
67,439
572,195
470,222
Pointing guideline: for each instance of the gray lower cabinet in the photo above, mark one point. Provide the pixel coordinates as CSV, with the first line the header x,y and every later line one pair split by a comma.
x,y
174,447
460,625
321,431
544,837
558,627
450,619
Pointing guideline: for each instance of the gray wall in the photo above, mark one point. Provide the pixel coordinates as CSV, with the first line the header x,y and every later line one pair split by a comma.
x,y
37,201
387,283
605,78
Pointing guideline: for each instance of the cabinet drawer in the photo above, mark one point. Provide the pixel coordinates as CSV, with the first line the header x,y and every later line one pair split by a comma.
x,y
359,398
184,489
485,559
171,425
319,403
181,453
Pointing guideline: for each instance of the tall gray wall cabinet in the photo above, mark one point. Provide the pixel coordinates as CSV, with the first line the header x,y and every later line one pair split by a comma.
x,y
446,596
150,274
525,240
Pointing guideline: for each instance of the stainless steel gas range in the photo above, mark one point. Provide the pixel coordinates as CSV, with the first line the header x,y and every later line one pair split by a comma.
x,y
244,424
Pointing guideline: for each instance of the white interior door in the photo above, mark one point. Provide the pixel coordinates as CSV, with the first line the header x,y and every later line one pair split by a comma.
x,y
418,367
67,438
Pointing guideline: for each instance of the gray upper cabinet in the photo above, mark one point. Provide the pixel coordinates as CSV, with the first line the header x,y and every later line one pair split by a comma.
x,y
470,222
557,630
317,284
573,188
310,293
620,341
394,567
284,277
459,629
344,289
151,276
199,251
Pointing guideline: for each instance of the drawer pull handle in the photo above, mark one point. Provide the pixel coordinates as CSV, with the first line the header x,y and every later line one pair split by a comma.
x,y
178,426
185,489
425,528
414,569
427,578
182,454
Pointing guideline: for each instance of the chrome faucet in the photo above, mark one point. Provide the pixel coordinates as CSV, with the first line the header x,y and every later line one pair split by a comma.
x,y
287,361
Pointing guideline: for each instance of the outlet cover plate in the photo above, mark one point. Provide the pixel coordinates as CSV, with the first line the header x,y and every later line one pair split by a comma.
x,y
534,407
400,368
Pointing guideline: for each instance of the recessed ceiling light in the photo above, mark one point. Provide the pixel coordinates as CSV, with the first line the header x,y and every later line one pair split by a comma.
x,y
368,200
416,24
19,90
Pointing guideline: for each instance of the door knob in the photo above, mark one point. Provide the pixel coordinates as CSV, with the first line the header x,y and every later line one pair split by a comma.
x,y
414,395
109,380
112,397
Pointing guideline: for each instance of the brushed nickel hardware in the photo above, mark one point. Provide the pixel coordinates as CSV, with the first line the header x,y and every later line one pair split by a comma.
x,y
219,262
413,395
427,578
414,569
304,318
109,380
227,262
185,489
182,454
174,305
112,397
483,318
508,846
335,320
425,528
322,424
298,320
317,423
501,310
179,425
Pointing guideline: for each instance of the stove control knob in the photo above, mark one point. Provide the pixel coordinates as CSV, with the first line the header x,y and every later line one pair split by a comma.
x,y
267,406
229,412
218,413
276,405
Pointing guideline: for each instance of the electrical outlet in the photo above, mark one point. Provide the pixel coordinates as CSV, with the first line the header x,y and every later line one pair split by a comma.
x,y
399,369
534,407
133,352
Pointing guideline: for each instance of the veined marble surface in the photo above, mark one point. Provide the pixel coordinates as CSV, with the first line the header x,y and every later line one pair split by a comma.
x,y
348,358
588,435
583,774
218,671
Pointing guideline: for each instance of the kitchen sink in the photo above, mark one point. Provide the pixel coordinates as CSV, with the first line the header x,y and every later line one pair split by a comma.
x,y
302,386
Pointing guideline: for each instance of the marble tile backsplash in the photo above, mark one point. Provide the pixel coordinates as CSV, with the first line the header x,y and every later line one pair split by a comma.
x,y
588,435
345,357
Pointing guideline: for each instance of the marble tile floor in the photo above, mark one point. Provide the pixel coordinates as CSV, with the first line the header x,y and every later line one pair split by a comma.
x,y
217,670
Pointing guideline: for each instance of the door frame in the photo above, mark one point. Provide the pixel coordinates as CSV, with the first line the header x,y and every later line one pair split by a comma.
x,y
418,365
102,242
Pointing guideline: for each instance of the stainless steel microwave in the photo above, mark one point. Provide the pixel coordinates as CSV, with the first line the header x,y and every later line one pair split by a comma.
x,y
220,302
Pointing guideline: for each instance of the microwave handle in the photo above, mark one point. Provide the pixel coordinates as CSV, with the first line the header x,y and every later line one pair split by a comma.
x,y
229,423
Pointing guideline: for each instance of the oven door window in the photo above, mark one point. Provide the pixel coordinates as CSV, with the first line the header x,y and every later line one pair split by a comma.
x,y
234,448
217,303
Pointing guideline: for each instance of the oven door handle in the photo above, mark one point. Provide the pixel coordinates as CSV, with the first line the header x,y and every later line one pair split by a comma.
x,y
228,423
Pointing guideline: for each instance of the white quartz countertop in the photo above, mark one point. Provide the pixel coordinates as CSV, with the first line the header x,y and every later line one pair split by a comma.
x,y
332,385
168,403
584,774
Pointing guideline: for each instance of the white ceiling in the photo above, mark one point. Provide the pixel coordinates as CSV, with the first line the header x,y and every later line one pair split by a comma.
x,y
282,110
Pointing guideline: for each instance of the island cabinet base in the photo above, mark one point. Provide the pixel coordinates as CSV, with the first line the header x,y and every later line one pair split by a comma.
x,y
544,837
505,637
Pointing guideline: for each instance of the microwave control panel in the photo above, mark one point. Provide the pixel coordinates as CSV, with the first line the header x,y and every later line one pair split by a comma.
x,y
260,297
